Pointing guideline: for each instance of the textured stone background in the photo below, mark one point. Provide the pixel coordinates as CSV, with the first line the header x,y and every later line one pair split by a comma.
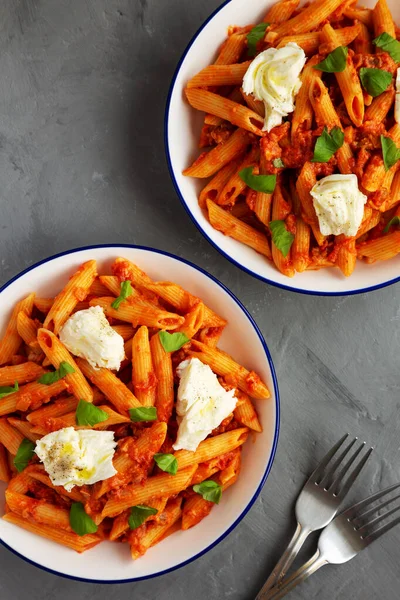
x,y
83,88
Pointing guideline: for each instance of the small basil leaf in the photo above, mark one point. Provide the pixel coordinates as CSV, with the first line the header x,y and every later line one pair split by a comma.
x,y
335,62
281,237
143,413
139,514
259,183
210,490
387,43
80,522
327,144
394,221
254,36
278,163
167,462
54,376
391,154
172,341
5,390
24,454
89,414
375,81
126,291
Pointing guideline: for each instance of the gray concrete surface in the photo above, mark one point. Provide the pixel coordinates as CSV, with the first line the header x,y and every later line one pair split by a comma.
x,y
83,87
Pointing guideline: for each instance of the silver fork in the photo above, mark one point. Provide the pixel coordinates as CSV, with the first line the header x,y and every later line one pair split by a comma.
x,y
348,534
319,502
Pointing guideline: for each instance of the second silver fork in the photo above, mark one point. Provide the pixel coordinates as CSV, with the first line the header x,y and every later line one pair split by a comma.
x,y
319,501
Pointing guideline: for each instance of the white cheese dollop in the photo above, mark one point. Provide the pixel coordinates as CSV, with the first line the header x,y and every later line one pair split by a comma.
x,y
77,457
273,78
202,403
397,98
88,334
339,204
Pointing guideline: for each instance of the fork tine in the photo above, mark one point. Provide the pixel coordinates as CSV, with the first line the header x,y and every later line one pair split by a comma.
x,y
361,519
316,474
334,486
342,490
384,529
354,510
325,481
363,531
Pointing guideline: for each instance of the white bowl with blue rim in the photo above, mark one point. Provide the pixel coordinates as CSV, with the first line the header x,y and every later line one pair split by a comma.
x,y
111,562
182,130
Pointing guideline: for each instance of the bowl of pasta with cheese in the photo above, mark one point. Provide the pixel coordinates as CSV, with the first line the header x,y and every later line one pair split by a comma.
x,y
282,136
139,413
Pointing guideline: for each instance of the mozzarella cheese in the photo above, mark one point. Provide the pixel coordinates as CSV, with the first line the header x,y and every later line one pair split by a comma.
x,y
77,457
88,334
202,403
339,204
397,98
273,78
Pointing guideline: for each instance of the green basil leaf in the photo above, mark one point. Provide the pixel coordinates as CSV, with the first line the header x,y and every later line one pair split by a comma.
x,y
172,341
391,154
389,44
89,414
24,454
210,490
139,514
375,81
54,376
327,144
167,462
335,62
143,413
80,522
254,36
5,390
126,291
281,237
278,163
394,221
259,183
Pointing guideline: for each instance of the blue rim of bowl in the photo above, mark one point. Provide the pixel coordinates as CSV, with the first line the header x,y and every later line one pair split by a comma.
x,y
196,222
277,412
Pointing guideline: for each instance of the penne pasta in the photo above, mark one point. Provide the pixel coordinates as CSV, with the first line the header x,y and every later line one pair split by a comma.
x,y
162,362
23,373
219,74
11,341
143,376
139,314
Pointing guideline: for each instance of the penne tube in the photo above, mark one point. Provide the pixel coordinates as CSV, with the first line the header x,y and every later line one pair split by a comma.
x,y
125,331
43,304
225,109
253,104
143,376
394,196
303,113
38,473
23,373
75,291
23,427
97,288
305,181
60,536
10,437
27,329
139,314
280,210
348,80
382,20
210,336
232,49
281,11
69,420
364,15
381,248
375,172
194,320
214,187
141,541
363,41
229,225
114,285
245,413
224,365
113,388
347,256
235,186
211,447
310,42
4,470
162,362
380,106
57,353
11,341
57,408
154,487
306,20
31,396
39,510
121,525
219,74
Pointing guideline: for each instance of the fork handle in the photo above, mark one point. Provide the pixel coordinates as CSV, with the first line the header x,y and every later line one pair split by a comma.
x,y
287,558
285,586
